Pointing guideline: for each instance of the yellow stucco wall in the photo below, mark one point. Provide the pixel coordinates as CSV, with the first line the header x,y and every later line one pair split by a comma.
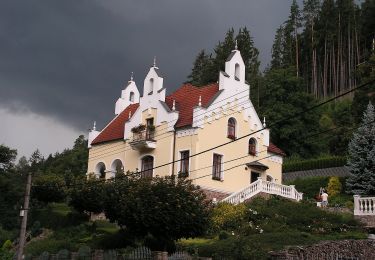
x,y
215,133
131,159
195,141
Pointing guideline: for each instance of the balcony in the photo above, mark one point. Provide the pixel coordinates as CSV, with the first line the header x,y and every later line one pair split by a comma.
x,y
143,140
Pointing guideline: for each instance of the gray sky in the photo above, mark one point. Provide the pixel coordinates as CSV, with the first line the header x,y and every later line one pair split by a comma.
x,y
63,63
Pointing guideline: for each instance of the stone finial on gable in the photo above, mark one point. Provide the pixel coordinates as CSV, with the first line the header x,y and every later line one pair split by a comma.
x,y
94,126
174,105
154,65
264,122
200,101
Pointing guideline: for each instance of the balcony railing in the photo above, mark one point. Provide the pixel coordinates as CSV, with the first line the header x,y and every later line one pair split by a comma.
x,y
144,139
145,135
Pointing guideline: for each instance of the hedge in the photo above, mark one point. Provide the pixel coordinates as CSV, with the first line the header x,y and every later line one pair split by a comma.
x,y
318,163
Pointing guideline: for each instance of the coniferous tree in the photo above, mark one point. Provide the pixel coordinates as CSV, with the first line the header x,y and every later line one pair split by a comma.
x,y
361,159
291,45
201,72
277,49
207,66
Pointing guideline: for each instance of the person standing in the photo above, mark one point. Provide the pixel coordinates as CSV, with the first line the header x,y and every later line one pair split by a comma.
x,y
324,197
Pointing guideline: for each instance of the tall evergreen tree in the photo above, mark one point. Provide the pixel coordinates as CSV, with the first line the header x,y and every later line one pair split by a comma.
x,y
291,45
207,66
284,96
361,159
202,70
277,49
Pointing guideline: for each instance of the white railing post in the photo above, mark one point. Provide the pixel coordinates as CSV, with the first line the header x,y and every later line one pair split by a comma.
x,y
293,192
260,184
264,186
357,210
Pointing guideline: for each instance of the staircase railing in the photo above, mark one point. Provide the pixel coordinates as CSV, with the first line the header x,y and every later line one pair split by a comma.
x,y
364,206
260,185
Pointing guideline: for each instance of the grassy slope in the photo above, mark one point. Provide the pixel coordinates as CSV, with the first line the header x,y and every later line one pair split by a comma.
x,y
70,231
276,224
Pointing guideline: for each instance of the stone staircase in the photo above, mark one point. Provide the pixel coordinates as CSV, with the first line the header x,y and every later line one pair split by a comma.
x,y
267,187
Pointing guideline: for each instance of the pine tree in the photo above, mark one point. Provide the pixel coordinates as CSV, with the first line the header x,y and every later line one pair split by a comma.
x,y
277,49
361,159
200,74
207,66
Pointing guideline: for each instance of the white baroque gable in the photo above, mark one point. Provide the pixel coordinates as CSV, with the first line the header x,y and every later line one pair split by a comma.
x,y
129,95
233,97
153,98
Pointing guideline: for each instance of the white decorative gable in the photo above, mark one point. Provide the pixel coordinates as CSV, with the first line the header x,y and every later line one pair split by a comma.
x,y
235,67
153,98
129,95
153,85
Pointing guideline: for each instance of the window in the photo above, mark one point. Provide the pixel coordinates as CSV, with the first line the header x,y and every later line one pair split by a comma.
x,y
216,167
237,71
184,164
147,166
150,129
232,128
252,146
131,97
151,89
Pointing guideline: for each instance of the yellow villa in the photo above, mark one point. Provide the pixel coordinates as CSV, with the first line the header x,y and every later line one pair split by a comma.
x,y
158,135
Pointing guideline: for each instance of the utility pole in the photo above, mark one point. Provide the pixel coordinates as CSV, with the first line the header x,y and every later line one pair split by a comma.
x,y
24,218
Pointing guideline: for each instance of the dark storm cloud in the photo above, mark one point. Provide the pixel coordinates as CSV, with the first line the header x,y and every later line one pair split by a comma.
x,y
70,59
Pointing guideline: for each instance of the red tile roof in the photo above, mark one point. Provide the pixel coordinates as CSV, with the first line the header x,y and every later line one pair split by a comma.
x,y
115,129
187,97
276,150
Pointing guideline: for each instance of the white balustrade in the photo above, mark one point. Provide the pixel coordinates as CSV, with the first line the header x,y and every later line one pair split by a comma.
x,y
266,187
364,205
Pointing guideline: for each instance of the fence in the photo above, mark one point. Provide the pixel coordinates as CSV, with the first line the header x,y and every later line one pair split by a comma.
x,y
140,253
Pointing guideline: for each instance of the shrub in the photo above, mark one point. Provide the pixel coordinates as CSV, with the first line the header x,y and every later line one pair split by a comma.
x,y
49,188
334,186
44,256
227,217
84,253
317,163
310,186
224,235
63,254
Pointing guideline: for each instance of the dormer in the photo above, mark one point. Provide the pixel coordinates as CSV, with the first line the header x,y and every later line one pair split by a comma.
x,y
235,67
129,95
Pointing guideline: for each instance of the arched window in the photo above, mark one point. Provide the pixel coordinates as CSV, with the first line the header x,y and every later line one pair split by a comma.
x,y
100,170
147,166
252,146
131,96
117,167
232,128
151,89
237,71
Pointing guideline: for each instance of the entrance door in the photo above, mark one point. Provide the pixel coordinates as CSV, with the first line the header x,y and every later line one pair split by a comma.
x,y
254,176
